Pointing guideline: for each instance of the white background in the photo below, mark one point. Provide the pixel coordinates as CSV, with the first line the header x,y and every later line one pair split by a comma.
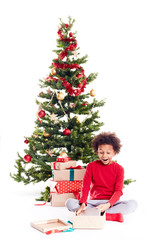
x,y
122,40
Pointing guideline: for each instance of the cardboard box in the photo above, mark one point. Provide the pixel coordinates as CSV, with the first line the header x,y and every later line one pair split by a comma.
x,y
68,174
58,200
91,218
63,165
65,186
51,226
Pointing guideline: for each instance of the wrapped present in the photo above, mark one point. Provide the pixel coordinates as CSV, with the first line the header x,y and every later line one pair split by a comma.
x,y
71,174
58,200
52,185
66,186
63,159
63,165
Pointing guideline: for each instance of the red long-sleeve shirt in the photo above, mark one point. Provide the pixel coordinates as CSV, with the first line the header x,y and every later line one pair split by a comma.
x,y
103,181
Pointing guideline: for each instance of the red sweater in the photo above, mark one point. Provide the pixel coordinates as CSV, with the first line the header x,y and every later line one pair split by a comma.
x,y
103,181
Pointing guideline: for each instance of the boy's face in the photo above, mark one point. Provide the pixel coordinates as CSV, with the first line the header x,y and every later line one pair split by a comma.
x,y
106,153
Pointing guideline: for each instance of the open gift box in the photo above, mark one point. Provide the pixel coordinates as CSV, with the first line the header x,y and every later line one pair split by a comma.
x,y
91,218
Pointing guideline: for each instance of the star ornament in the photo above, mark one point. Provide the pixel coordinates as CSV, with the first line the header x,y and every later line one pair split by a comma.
x,y
35,135
75,53
49,152
72,105
49,91
53,117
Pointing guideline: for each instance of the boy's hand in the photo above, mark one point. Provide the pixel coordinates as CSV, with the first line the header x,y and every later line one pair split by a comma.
x,y
81,209
104,207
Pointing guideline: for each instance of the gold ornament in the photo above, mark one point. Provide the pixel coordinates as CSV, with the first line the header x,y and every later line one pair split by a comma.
x,y
63,154
92,93
45,134
53,71
60,96
34,148
77,119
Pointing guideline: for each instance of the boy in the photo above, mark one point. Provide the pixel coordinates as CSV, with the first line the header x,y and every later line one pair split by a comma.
x,y
104,179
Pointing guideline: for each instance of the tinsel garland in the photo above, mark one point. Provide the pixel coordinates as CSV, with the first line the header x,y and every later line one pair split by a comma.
x,y
62,55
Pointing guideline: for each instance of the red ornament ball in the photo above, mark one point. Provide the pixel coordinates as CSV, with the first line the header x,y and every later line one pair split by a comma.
x,y
27,158
26,141
66,132
41,114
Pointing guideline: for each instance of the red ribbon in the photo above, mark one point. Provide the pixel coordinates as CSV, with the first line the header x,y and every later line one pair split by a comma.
x,y
53,231
65,159
49,232
39,120
54,165
77,167
42,204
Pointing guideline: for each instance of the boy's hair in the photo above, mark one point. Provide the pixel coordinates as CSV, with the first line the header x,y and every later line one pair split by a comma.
x,y
106,138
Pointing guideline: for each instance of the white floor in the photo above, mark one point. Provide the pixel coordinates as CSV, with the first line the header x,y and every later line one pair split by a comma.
x,y
18,210
128,67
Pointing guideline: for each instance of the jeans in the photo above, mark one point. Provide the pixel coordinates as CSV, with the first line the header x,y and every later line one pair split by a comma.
x,y
124,207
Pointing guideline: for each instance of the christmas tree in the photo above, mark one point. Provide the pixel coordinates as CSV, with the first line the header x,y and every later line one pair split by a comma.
x,y
67,117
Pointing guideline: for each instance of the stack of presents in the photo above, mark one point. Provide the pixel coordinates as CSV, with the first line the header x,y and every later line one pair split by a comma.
x,y
66,181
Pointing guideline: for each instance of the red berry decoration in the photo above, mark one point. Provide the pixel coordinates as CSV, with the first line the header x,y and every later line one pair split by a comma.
x,y
66,132
41,114
79,85
84,104
26,141
27,158
79,75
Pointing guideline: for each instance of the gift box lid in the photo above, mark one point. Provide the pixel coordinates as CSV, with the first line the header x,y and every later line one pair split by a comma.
x,y
53,225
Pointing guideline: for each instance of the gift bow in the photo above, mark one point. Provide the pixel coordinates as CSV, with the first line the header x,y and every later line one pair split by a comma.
x,y
64,159
77,167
